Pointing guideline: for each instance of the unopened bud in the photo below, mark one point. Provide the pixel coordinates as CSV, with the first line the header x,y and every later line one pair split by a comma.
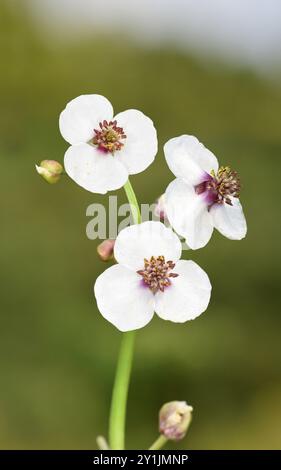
x,y
50,170
105,250
174,419
159,210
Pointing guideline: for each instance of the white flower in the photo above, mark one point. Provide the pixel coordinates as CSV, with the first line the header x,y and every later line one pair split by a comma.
x,y
150,277
105,149
203,196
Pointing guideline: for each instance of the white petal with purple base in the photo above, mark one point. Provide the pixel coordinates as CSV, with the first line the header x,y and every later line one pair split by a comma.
x,y
229,220
82,115
187,297
140,145
188,159
93,169
137,242
188,213
122,299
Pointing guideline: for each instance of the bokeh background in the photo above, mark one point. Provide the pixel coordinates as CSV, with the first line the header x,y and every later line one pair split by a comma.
x,y
212,72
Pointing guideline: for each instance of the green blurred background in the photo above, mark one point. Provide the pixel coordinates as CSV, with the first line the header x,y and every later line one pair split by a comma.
x,y
58,354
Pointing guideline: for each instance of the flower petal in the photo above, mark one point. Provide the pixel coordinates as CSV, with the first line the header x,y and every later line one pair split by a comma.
x,y
187,158
188,213
122,299
229,220
137,242
140,145
187,297
82,115
93,170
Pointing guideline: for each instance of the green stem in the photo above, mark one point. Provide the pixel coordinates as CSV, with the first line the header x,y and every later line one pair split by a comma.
x,y
133,202
124,365
120,392
159,443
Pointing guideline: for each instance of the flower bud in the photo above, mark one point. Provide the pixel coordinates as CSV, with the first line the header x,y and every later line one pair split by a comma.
x,y
174,419
105,250
50,170
159,210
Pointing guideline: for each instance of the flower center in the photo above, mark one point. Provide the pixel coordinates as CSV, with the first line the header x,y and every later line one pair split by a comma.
x,y
221,186
156,273
109,137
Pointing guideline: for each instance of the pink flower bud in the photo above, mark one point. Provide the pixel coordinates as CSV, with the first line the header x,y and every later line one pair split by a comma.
x,y
174,419
159,210
105,250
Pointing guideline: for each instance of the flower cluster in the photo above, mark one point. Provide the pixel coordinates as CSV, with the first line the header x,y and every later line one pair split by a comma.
x,y
148,277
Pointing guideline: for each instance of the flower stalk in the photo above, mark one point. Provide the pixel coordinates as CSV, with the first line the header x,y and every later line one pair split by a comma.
x,y
133,202
117,419
120,392
159,443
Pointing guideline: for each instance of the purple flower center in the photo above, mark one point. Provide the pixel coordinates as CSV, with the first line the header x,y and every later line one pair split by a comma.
x,y
109,137
156,273
220,187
